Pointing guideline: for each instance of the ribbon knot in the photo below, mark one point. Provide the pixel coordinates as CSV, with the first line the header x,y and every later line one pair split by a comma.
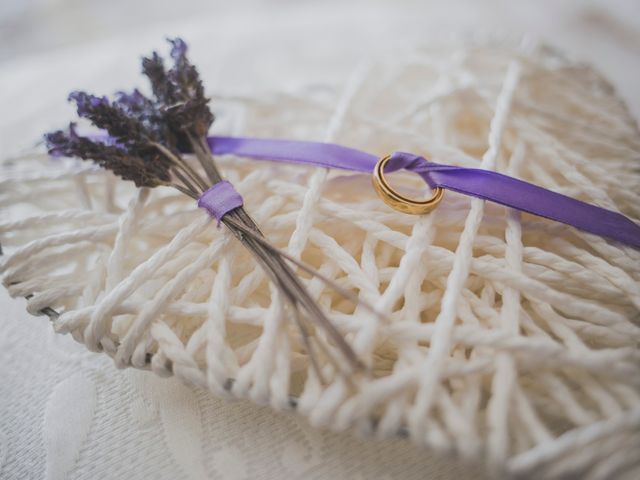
x,y
413,163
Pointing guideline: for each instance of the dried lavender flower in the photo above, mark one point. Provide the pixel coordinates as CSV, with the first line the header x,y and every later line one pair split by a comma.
x,y
161,87
193,105
144,173
146,112
104,114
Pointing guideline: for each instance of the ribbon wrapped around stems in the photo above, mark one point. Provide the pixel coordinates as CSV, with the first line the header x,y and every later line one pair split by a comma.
x,y
485,184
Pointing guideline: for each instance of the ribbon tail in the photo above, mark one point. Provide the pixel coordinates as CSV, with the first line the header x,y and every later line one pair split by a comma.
x,y
530,198
317,154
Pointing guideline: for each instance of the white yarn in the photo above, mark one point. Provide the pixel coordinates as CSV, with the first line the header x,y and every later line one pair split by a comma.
x,y
510,339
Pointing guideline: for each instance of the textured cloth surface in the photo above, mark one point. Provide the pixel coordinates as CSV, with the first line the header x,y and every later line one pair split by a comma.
x,y
67,413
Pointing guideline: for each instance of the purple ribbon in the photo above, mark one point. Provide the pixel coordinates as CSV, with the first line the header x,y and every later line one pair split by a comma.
x,y
220,199
484,184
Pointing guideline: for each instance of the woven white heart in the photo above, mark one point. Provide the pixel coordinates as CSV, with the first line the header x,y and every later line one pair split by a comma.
x,y
507,337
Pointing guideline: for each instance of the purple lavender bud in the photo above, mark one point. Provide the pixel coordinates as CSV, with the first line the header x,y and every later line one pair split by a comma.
x,y
86,103
63,143
57,143
178,48
131,100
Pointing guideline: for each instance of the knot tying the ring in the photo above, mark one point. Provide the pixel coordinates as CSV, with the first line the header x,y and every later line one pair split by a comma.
x,y
394,199
220,199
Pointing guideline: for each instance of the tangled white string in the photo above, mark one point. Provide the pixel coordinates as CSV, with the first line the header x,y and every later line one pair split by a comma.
x,y
509,338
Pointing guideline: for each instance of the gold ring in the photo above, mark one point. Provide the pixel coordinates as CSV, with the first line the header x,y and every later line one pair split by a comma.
x,y
400,202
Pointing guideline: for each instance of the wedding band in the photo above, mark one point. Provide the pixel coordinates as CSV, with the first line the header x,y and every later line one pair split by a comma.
x,y
400,202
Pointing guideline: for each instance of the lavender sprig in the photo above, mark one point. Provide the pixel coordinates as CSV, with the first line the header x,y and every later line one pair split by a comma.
x,y
147,136
146,168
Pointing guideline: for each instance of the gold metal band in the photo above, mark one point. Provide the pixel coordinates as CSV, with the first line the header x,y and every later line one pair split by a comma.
x,y
400,202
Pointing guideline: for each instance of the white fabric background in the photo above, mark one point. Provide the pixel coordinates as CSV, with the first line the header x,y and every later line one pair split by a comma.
x,y
68,413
